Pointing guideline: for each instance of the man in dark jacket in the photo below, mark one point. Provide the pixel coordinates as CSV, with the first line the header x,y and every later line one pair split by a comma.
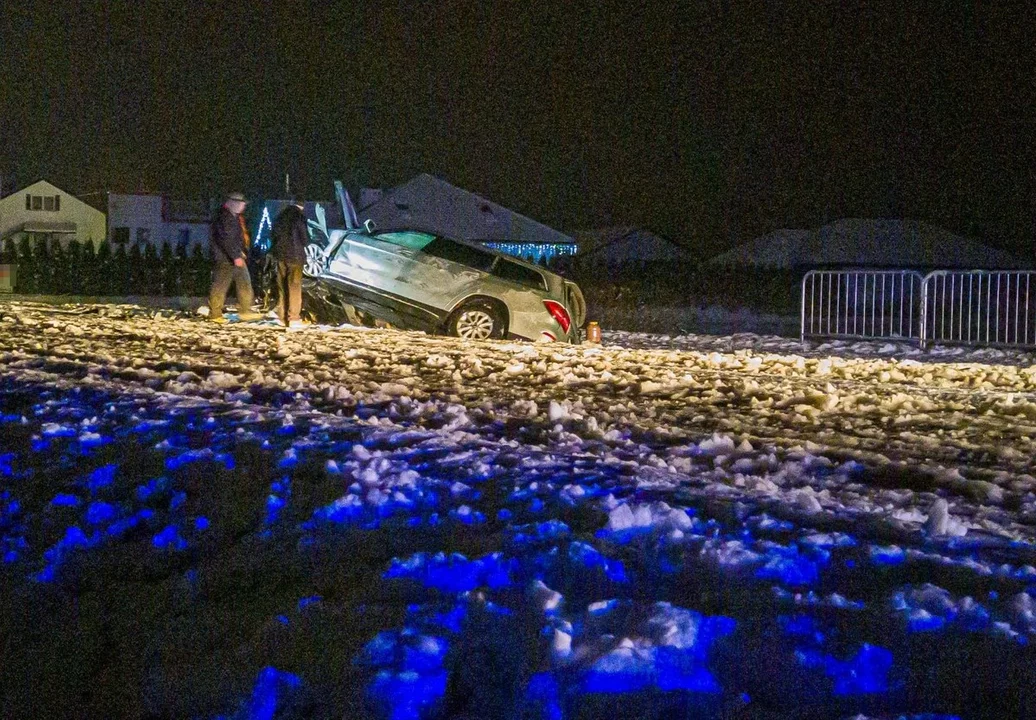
x,y
289,237
229,240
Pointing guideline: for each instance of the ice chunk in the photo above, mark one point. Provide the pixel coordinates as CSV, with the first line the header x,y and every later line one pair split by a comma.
x,y
556,412
940,522
562,644
545,598
807,502
621,518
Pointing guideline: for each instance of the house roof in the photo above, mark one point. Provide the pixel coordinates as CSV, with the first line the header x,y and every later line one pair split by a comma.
x,y
431,204
642,244
42,187
868,242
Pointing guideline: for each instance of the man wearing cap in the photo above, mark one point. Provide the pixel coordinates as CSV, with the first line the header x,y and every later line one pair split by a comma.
x,y
229,240
290,236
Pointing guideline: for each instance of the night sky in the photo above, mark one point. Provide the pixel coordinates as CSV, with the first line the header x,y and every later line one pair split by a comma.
x,y
709,122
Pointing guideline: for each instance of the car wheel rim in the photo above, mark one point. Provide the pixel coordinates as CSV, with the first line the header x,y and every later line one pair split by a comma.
x,y
475,325
312,266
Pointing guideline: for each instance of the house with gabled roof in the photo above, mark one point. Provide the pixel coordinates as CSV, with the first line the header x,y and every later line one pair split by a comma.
x,y
42,212
433,205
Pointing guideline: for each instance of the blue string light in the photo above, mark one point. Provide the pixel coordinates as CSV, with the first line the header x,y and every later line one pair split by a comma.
x,y
534,252
261,244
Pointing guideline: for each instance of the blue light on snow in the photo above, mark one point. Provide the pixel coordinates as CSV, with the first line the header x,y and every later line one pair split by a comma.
x,y
267,695
310,600
923,621
169,539
453,573
151,488
891,555
65,500
790,569
59,431
863,674
802,626
100,513
541,697
615,674
424,654
407,695
102,477
274,505
678,670
121,527
177,502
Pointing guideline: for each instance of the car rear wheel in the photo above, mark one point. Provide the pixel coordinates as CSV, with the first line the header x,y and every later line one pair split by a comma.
x,y
476,321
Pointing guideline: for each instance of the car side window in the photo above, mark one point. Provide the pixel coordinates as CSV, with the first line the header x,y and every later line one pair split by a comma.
x,y
407,239
463,254
519,274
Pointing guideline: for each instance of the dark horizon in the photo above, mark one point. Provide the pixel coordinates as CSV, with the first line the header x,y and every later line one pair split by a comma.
x,y
710,125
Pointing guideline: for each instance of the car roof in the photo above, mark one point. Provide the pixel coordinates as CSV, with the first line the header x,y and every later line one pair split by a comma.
x,y
477,244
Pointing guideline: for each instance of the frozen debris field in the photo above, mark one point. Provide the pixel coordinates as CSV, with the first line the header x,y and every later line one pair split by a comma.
x,y
238,521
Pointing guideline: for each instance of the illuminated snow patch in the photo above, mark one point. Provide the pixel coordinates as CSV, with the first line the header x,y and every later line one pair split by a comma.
x,y
864,673
453,573
169,539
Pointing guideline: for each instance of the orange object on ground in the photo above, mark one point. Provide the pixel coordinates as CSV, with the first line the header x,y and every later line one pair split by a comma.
x,y
593,332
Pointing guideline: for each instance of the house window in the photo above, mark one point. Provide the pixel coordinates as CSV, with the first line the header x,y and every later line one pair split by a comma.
x,y
120,235
143,235
185,238
50,203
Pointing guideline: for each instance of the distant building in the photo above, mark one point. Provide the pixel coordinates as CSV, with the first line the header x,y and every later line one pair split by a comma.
x,y
867,243
44,212
433,205
157,220
624,248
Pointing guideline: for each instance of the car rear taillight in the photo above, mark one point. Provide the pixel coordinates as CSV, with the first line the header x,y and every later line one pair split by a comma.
x,y
559,313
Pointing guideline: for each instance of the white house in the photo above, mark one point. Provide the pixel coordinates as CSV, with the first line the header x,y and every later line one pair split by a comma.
x,y
156,220
433,205
43,211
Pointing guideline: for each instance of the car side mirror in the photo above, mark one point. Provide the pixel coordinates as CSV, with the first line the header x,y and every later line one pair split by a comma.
x,y
368,225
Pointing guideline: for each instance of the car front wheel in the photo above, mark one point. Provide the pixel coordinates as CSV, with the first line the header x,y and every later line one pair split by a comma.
x,y
314,260
476,321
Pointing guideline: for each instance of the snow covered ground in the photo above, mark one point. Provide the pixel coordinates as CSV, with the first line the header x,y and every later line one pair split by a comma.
x,y
201,520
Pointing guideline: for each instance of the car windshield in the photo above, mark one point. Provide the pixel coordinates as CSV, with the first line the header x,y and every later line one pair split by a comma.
x,y
407,238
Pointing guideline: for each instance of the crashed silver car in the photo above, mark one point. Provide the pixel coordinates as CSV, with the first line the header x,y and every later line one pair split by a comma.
x,y
420,280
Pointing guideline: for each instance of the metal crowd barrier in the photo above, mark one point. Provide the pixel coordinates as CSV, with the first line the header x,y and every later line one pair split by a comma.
x,y
969,307
980,307
863,304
